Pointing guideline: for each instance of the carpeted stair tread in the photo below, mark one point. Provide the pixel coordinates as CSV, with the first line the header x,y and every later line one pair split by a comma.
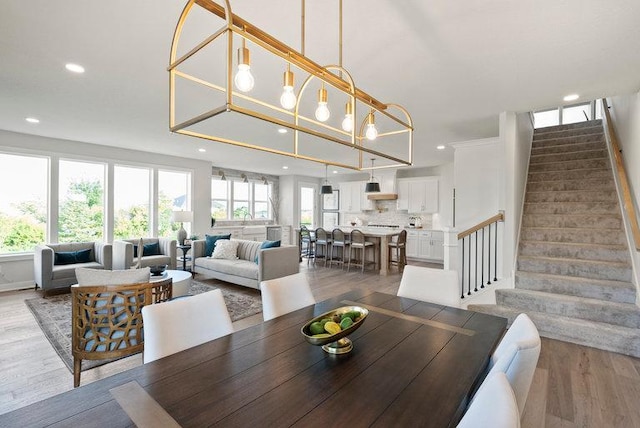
x,y
597,269
613,291
561,157
596,184
585,124
576,174
568,140
623,314
571,196
605,336
570,165
589,235
601,221
586,251
570,207
538,136
567,148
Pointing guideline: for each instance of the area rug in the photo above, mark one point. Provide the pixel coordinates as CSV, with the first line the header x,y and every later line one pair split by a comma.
x,y
53,315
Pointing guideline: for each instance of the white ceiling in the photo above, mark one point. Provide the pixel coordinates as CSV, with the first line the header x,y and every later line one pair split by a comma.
x,y
455,65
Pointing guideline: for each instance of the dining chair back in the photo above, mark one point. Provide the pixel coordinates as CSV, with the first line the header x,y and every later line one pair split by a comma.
x,y
283,295
339,243
323,244
180,324
517,356
399,247
494,405
307,243
430,285
107,320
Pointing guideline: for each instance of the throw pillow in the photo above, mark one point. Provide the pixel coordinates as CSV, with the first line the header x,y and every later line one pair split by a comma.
x,y
152,249
226,249
210,243
86,276
267,244
72,257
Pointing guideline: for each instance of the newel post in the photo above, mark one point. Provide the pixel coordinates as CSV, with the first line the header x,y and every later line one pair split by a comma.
x,y
451,255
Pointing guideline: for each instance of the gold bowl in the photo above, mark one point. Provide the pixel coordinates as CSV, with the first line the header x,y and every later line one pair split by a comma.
x,y
336,343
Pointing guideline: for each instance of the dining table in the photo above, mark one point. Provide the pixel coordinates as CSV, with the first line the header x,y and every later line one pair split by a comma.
x,y
413,364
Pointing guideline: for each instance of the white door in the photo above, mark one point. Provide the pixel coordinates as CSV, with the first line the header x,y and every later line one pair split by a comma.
x,y
307,205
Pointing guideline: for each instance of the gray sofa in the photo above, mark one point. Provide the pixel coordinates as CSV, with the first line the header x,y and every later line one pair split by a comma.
x,y
272,263
123,253
49,275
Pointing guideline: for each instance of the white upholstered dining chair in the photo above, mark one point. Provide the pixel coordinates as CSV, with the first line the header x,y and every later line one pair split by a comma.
x,y
517,357
180,324
430,285
494,405
283,295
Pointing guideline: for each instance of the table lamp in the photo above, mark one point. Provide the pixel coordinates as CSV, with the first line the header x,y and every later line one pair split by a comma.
x,y
182,217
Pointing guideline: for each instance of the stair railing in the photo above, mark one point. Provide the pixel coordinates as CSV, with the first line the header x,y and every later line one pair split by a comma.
x,y
482,258
627,200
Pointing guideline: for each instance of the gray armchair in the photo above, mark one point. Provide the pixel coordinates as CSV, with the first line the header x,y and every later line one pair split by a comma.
x,y
54,265
124,256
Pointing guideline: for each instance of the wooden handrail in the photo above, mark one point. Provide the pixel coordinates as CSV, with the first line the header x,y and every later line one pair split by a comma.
x,y
627,200
487,222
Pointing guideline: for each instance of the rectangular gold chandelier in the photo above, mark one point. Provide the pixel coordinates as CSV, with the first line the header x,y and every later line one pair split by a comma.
x,y
207,101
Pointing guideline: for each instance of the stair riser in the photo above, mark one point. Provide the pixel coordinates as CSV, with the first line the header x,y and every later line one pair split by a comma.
x,y
586,174
559,220
595,123
567,133
578,268
571,208
568,148
587,310
542,141
557,157
590,236
570,165
562,250
600,185
609,338
571,196
587,289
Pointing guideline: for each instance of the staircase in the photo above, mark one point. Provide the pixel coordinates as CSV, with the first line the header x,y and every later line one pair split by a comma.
x,y
574,270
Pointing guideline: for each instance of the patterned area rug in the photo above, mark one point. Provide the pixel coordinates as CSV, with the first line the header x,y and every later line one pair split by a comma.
x,y
53,315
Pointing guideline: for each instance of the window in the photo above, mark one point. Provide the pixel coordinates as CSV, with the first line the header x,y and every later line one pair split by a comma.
x,y
543,119
261,201
219,199
131,203
81,201
307,204
240,200
173,195
23,206
576,113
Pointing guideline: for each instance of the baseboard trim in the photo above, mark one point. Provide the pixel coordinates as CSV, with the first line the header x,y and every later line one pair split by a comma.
x,y
15,286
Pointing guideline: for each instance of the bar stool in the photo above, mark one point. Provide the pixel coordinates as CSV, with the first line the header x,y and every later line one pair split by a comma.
x,y
323,241
339,240
358,243
400,247
307,244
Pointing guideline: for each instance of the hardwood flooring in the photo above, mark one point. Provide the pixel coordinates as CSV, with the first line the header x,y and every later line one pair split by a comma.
x,y
574,386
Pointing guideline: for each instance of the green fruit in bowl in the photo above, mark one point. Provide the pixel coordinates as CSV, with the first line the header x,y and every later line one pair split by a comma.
x,y
316,328
346,323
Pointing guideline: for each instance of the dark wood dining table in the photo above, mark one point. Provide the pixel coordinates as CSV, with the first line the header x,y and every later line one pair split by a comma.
x,y
413,364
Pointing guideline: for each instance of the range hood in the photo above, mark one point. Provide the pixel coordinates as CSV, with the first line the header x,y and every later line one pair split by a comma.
x,y
382,196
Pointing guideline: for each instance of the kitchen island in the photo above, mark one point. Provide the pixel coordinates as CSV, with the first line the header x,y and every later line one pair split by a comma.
x,y
380,236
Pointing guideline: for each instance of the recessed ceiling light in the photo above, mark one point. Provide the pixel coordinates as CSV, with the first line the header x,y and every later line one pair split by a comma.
x,y
571,97
440,147
75,68
285,167
32,120
282,130
335,171
202,150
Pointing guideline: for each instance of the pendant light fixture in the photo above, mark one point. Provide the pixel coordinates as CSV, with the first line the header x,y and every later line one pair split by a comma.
x,y
326,187
244,79
322,112
372,186
347,122
288,98
371,132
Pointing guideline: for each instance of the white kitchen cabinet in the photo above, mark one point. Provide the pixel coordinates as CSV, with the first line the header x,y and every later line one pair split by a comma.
x,y
425,245
437,245
418,195
236,232
254,233
353,199
412,244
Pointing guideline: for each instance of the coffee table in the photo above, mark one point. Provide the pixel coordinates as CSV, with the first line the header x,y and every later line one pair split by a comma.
x,y
181,281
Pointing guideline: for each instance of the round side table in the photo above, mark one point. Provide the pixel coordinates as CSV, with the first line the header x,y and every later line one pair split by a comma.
x,y
181,281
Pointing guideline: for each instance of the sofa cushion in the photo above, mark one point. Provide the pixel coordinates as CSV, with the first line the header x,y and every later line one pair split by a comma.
x,y
112,277
248,250
151,249
69,271
72,257
267,244
155,260
225,249
210,243
243,268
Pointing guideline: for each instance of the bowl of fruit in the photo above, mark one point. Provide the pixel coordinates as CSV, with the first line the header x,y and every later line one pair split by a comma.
x,y
330,330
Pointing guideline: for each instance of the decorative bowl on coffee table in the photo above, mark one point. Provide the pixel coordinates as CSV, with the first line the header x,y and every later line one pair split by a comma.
x,y
157,270
337,343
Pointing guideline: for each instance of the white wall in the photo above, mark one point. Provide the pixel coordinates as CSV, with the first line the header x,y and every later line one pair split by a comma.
x,y
18,269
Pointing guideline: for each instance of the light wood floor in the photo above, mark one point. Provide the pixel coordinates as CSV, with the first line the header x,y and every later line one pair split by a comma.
x,y
574,386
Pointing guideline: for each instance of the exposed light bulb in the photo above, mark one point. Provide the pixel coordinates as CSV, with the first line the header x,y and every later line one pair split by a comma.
x,y
244,79
371,132
288,98
322,112
347,122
